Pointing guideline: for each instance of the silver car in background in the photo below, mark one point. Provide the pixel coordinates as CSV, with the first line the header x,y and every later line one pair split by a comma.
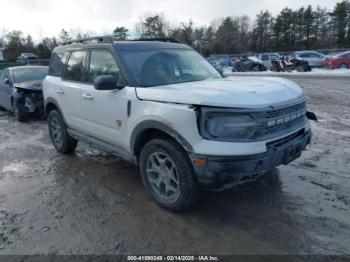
x,y
315,59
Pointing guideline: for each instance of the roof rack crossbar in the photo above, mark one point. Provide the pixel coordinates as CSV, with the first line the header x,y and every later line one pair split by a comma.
x,y
95,39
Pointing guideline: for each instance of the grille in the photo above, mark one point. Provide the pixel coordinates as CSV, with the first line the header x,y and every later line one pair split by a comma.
x,y
285,110
284,118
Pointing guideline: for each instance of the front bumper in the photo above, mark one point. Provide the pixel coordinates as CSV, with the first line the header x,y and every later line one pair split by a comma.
x,y
219,172
30,103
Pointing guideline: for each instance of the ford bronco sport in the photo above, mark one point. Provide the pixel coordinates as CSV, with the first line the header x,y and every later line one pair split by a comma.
x,y
163,107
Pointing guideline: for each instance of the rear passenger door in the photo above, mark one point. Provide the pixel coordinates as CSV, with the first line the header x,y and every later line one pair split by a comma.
x,y
104,112
69,91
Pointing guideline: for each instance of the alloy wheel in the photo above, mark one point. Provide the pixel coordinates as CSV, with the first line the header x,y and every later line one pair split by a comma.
x,y
163,176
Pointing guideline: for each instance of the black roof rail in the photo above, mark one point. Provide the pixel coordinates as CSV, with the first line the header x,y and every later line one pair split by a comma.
x,y
95,39
160,39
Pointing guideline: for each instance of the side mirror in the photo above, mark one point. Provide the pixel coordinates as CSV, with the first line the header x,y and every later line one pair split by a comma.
x,y
106,82
7,82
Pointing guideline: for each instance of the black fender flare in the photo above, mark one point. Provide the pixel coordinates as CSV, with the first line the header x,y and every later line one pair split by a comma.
x,y
50,100
153,124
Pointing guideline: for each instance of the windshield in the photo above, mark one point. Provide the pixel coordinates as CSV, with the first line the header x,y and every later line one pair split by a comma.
x,y
167,66
29,74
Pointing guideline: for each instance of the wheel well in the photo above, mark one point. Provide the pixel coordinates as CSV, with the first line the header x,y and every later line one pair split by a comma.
x,y
146,136
49,107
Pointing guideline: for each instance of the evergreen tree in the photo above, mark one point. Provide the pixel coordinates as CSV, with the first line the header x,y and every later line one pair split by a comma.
x,y
153,27
339,22
120,33
14,45
263,32
227,36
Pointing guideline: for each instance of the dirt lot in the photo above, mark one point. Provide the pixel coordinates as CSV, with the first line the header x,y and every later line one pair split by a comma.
x,y
92,203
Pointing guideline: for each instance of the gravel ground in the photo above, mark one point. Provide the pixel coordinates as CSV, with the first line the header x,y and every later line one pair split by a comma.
x,y
92,203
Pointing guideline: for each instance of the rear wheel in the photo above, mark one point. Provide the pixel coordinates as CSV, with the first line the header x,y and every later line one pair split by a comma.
x,y
60,138
300,68
168,175
343,66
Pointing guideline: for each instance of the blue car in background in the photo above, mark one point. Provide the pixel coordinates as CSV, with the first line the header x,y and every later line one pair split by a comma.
x,y
21,90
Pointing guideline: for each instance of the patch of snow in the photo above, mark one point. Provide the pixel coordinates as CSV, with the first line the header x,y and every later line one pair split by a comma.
x,y
314,71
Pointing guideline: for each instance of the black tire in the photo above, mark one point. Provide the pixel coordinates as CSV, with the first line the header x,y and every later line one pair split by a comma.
x,y
60,138
256,69
274,68
300,68
187,188
343,66
20,115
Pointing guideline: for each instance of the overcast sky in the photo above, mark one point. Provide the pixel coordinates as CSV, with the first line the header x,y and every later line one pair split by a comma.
x,y
48,17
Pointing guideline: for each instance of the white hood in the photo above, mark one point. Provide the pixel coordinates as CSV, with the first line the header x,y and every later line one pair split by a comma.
x,y
242,92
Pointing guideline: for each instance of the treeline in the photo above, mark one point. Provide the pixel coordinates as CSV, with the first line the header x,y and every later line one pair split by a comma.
x,y
304,28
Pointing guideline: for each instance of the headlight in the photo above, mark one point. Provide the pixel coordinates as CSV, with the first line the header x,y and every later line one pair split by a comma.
x,y
230,126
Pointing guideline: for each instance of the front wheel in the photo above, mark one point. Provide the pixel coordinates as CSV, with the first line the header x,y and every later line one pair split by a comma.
x,y
168,175
60,138
20,115
256,69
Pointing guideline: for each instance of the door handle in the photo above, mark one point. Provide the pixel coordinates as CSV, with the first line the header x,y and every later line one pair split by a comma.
x,y
60,91
88,97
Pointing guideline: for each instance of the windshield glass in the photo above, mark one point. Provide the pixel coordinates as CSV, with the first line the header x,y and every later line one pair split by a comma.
x,y
29,74
167,66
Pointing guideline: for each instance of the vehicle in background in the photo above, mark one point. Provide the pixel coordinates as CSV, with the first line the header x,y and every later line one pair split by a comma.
x,y
282,64
315,59
21,90
249,64
27,56
341,60
299,65
216,65
268,58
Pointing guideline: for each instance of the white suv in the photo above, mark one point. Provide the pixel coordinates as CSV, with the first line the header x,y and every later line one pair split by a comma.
x,y
163,107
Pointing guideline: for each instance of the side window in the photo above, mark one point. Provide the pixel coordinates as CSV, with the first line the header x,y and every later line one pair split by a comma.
x,y
56,66
314,55
5,74
264,57
304,55
103,63
2,76
75,66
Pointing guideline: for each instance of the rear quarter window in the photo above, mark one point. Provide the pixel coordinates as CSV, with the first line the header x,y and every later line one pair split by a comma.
x,y
56,66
